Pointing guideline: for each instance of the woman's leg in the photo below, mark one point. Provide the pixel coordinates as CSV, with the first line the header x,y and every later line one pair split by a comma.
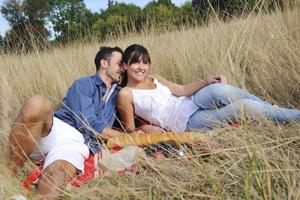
x,y
218,95
249,108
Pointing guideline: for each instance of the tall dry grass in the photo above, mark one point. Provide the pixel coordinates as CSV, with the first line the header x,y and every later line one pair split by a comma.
x,y
259,53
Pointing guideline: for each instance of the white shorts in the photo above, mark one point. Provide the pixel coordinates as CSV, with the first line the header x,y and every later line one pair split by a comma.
x,y
63,143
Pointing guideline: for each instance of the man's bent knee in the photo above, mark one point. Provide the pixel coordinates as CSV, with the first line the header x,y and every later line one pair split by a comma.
x,y
33,121
36,108
55,178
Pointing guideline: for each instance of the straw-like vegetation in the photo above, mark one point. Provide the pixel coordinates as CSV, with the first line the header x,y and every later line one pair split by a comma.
x,y
259,160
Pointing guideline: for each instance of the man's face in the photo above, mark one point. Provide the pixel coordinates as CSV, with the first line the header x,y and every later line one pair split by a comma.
x,y
114,69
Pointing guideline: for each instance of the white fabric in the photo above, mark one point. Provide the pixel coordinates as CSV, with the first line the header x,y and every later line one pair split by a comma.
x,y
160,107
63,143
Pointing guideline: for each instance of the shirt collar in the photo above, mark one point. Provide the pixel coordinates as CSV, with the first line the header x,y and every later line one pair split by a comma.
x,y
98,80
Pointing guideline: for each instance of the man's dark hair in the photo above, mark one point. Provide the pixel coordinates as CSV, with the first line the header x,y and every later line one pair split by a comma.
x,y
105,53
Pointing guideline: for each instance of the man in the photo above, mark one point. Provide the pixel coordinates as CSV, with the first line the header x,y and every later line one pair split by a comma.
x,y
64,139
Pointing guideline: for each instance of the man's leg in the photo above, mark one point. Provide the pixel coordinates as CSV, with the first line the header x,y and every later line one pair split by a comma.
x,y
55,178
218,95
64,159
33,122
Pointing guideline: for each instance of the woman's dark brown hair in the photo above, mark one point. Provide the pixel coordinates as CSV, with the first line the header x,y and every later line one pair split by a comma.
x,y
133,54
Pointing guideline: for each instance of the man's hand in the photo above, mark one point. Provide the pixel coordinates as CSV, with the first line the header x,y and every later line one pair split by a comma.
x,y
216,79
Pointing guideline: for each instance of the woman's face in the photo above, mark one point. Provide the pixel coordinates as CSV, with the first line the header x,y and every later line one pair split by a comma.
x,y
138,71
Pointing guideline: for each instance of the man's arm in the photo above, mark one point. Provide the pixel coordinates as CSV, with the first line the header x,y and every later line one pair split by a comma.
x,y
82,106
80,97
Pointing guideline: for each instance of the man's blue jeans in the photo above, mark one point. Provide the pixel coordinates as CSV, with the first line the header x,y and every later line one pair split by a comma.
x,y
220,104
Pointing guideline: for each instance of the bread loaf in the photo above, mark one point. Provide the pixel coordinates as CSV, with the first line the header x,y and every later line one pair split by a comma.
x,y
154,138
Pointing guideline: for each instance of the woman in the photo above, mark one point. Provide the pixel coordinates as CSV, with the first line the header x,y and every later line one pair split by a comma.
x,y
172,107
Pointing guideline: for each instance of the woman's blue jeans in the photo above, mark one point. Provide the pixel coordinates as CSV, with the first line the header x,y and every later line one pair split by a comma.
x,y
220,104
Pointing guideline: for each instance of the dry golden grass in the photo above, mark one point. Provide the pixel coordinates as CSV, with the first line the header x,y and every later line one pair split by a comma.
x,y
260,53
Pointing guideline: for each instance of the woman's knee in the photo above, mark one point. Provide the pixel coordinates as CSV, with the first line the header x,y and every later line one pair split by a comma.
x,y
220,89
36,108
216,95
215,90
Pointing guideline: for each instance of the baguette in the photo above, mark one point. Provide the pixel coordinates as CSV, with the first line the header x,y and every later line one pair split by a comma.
x,y
154,138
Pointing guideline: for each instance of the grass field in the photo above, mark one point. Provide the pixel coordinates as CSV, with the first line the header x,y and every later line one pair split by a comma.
x,y
259,53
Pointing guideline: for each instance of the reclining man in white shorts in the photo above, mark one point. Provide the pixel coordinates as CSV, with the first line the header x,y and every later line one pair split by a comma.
x,y
64,139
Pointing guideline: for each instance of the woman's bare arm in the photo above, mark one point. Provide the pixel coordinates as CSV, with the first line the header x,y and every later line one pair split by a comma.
x,y
126,109
189,89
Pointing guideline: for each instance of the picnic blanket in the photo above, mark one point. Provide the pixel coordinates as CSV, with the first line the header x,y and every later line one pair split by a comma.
x,y
91,164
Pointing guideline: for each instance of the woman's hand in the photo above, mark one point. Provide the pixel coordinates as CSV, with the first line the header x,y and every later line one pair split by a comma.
x,y
137,132
216,79
108,133
152,129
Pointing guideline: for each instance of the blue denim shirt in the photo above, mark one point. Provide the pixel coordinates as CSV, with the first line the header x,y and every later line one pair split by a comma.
x,y
84,109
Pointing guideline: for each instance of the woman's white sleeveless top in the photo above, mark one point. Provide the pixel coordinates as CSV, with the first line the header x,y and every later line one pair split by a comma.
x,y
160,107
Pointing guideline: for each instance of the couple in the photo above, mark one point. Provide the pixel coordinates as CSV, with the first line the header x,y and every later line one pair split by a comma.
x,y
64,139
